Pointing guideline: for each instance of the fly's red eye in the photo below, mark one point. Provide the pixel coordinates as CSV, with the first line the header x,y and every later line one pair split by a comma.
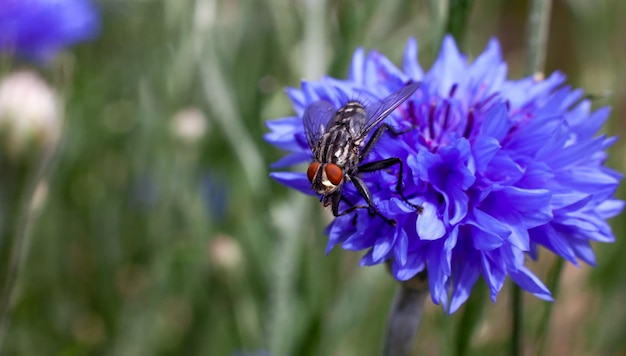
x,y
312,171
334,173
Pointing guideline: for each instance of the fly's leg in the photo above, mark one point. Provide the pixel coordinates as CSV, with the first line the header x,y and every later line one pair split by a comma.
x,y
351,204
384,164
376,137
365,193
370,167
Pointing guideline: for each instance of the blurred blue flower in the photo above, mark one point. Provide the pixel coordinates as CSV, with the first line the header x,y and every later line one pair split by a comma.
x,y
214,193
38,29
500,167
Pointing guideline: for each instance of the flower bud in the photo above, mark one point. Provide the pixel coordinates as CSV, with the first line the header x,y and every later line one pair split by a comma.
x,y
189,125
225,253
30,114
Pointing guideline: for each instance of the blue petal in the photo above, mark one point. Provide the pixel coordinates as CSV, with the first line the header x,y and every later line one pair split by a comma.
x,y
284,132
297,98
549,237
409,61
493,272
555,102
383,246
586,179
293,180
448,67
529,138
358,67
527,90
368,235
610,208
451,178
487,223
485,241
428,225
487,72
379,69
496,122
519,209
339,231
438,266
320,91
531,204
568,198
536,175
400,251
291,159
487,232
415,263
436,278
503,169
484,149
591,124
574,154
368,259
584,225
457,201
527,280
584,251
463,284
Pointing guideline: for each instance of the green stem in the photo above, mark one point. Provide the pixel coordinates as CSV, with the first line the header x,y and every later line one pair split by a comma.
x,y
518,307
537,31
537,40
405,316
553,285
471,317
458,14
18,232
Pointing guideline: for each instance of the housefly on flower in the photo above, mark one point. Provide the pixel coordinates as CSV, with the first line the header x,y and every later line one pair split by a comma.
x,y
337,139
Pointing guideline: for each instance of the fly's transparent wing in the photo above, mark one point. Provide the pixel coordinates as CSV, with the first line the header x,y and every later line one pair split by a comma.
x,y
316,118
378,111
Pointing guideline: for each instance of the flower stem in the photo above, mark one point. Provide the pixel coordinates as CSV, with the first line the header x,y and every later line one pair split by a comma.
x,y
537,41
518,307
458,14
537,35
18,230
405,316
553,285
469,320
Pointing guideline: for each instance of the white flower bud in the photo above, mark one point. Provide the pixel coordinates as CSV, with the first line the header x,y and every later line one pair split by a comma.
x,y
30,114
225,253
189,125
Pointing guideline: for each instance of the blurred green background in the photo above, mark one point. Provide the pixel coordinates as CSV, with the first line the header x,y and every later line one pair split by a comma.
x,y
151,243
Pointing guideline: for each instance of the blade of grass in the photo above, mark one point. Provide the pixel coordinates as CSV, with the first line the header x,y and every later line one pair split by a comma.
x,y
458,14
471,316
553,285
537,40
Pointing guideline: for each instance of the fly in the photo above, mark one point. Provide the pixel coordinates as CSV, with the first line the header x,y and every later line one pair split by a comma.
x,y
337,139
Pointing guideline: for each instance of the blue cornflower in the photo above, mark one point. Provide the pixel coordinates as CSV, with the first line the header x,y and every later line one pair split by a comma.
x,y
38,29
500,168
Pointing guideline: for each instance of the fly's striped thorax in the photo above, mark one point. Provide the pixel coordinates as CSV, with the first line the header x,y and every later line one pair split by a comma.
x,y
334,146
338,144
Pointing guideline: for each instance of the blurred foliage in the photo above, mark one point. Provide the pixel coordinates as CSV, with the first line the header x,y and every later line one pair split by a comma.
x,y
148,244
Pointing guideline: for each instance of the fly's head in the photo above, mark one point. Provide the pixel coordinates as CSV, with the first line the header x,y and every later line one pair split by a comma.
x,y
325,178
